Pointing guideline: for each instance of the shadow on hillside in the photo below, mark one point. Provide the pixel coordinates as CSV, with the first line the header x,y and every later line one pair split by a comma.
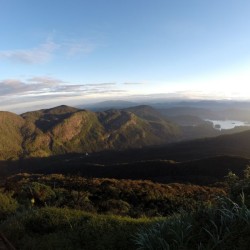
x,y
130,165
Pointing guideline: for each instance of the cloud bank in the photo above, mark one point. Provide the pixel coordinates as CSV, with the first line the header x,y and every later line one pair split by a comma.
x,y
48,86
16,94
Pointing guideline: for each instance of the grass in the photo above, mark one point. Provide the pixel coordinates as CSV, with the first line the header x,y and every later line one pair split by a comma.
x,y
58,228
224,227
8,206
222,224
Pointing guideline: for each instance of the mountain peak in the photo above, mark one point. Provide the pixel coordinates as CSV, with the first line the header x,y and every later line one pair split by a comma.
x,y
62,109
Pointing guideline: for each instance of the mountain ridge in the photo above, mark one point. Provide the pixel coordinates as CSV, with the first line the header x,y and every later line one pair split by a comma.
x,y
65,129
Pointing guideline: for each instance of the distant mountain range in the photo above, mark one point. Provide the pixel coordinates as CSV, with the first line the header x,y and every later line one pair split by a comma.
x,y
105,105
224,109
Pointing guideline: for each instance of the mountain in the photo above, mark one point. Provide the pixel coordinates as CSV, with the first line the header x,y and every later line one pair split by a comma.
x,y
160,124
11,136
129,127
106,105
241,114
186,120
65,129
146,112
237,145
203,113
136,142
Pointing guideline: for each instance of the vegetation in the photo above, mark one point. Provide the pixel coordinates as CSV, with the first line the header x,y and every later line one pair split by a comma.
x,y
69,183
11,138
50,212
8,205
109,196
226,226
60,228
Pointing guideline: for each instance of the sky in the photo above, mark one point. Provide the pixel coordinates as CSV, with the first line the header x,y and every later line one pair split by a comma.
x,y
81,51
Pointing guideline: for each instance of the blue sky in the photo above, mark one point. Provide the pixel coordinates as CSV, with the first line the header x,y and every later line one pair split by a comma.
x,y
79,51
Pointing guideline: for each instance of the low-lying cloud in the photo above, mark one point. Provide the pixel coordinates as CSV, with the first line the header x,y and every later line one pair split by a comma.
x,y
48,85
42,91
133,83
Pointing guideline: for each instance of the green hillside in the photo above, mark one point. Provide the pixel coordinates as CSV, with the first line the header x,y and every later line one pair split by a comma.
x,y
65,129
11,136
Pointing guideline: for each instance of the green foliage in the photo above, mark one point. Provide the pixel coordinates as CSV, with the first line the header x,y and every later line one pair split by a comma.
x,y
54,228
239,188
110,196
10,134
197,218
231,179
35,193
247,173
8,205
222,227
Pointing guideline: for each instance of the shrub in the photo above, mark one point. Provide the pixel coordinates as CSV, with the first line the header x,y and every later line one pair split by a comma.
x,y
208,228
7,205
57,228
40,193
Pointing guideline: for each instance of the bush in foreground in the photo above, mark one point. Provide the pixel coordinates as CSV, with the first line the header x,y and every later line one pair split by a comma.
x,y
8,205
225,227
57,228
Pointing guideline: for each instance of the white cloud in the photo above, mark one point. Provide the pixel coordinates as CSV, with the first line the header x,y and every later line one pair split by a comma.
x,y
33,85
107,84
41,54
12,86
45,80
42,86
79,47
44,52
41,92
133,83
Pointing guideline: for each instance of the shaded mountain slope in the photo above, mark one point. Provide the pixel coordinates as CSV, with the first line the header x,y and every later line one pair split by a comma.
x,y
203,171
146,112
161,126
46,118
126,127
231,145
203,113
186,120
237,144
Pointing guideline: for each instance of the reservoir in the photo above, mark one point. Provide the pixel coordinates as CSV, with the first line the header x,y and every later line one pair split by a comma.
x,y
227,124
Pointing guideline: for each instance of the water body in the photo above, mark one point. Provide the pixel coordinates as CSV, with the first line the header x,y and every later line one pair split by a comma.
x,y
227,124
